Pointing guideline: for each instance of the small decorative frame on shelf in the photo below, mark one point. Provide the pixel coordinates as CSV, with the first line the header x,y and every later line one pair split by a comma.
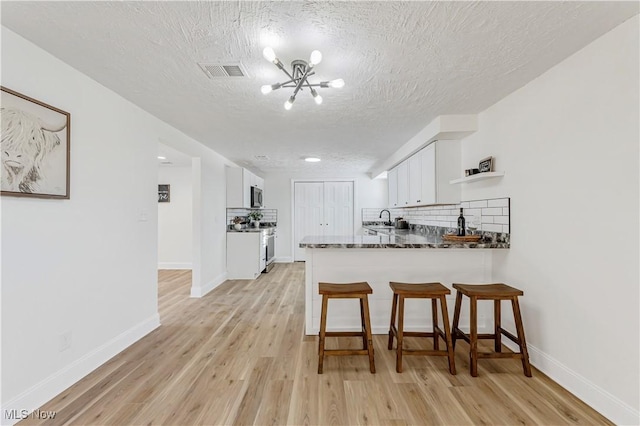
x,y
164,193
486,165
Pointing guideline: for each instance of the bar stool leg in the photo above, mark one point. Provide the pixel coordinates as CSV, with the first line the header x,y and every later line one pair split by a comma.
x,y
363,324
521,339
434,319
392,323
473,336
399,336
367,320
323,330
496,325
456,318
447,333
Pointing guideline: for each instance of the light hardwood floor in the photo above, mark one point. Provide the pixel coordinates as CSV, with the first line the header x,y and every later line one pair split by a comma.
x,y
239,356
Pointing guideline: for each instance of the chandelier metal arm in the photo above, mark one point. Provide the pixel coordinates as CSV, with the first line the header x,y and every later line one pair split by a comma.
x,y
301,82
298,77
284,70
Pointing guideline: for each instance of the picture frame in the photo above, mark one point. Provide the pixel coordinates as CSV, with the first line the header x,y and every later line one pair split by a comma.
x,y
486,165
164,193
36,147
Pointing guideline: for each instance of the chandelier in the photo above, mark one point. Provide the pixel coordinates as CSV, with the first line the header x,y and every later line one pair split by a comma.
x,y
300,71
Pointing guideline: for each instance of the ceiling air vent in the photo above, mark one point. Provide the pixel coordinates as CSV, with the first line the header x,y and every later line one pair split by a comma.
x,y
261,157
215,71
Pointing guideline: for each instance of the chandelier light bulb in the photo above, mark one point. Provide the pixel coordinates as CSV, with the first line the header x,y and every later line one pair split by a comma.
x,y
289,103
316,57
338,83
316,97
269,54
266,89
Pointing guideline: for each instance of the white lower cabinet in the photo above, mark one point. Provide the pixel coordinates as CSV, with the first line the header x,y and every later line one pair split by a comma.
x,y
246,255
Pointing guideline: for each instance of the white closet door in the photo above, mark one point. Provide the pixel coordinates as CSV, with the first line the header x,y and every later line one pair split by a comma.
x,y
308,211
338,208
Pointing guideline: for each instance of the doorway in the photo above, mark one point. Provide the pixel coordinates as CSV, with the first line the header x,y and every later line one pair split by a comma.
x,y
321,208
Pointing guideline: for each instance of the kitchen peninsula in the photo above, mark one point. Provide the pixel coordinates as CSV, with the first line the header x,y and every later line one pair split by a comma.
x,y
412,256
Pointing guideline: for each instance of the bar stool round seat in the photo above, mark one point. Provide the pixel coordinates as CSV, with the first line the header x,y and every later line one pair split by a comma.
x,y
360,291
435,292
496,292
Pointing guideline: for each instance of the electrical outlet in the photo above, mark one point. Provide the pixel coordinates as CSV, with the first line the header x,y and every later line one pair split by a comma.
x,y
65,341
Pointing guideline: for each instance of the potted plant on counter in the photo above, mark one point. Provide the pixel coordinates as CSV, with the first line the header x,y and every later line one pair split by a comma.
x,y
255,216
237,223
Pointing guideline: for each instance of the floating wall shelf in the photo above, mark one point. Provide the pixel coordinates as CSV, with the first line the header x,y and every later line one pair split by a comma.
x,y
478,176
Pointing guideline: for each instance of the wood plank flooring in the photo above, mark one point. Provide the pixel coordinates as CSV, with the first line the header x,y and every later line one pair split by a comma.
x,y
239,356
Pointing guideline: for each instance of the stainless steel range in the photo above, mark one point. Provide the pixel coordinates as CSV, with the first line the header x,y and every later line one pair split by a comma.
x,y
269,245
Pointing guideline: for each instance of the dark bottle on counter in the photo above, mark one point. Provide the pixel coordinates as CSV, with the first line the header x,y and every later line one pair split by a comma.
x,y
461,225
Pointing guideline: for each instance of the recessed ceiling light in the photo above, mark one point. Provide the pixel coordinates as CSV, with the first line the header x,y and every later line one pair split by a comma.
x,y
312,159
161,157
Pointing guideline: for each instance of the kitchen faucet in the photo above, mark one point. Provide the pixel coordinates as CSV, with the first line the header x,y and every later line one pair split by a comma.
x,y
389,222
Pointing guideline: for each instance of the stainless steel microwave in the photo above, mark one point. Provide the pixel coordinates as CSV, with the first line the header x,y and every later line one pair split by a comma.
x,y
256,197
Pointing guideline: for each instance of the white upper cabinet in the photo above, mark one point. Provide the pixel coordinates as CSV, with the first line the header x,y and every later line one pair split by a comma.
x,y
392,181
423,178
415,180
428,178
403,184
239,183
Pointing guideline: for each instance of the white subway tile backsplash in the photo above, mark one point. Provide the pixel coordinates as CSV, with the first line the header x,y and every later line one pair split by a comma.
x,y
504,220
492,214
492,211
506,229
482,203
473,212
500,202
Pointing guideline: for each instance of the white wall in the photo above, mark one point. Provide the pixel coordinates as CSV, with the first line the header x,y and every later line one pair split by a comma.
x,y
88,265
175,227
568,142
277,194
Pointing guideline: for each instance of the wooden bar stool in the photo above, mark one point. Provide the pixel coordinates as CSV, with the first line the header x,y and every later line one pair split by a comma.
x,y
497,293
435,292
346,291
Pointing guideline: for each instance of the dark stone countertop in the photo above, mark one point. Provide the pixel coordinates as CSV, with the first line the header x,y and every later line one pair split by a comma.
x,y
415,237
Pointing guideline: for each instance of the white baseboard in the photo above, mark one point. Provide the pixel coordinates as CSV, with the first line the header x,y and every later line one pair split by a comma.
x,y
284,259
175,265
197,291
591,394
51,386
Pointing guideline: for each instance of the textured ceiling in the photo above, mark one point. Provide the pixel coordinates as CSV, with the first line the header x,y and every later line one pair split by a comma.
x,y
403,63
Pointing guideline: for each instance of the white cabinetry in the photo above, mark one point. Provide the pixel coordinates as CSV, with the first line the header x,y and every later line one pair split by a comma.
x,y
403,184
239,183
246,255
423,178
392,180
415,181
